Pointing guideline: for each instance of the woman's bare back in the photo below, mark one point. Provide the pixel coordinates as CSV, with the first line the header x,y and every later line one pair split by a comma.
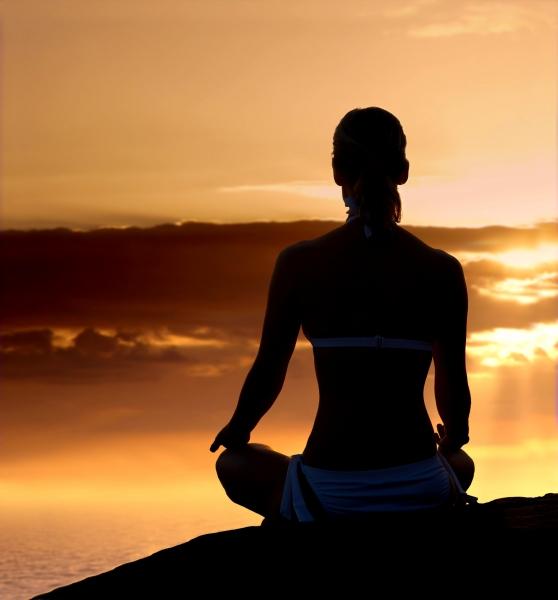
x,y
371,411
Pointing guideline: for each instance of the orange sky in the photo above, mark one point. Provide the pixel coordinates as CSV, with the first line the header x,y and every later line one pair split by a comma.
x,y
123,350
224,111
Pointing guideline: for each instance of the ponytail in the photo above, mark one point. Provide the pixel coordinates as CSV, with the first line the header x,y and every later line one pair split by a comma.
x,y
378,196
369,150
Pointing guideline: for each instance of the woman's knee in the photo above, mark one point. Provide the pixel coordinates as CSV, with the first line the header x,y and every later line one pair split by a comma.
x,y
463,466
227,468
231,460
225,463
251,475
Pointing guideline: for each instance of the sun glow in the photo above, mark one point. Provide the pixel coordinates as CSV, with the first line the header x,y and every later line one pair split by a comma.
x,y
165,338
509,346
522,258
528,290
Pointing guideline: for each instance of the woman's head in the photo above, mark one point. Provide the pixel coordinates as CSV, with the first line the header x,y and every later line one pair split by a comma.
x,y
369,159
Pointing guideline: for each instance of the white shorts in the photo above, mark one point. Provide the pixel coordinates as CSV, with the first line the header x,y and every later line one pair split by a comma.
x,y
425,484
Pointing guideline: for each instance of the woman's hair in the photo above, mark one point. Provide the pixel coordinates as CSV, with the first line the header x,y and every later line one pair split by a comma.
x,y
369,152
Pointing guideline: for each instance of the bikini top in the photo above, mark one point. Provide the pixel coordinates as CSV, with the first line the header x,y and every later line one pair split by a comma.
x,y
376,341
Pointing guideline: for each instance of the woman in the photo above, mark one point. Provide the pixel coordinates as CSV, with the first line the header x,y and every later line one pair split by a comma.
x,y
377,304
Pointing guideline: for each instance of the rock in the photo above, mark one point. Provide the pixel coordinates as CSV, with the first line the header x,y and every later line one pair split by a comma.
x,y
499,544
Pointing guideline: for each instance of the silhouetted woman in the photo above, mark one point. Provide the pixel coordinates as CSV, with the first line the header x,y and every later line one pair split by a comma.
x,y
377,304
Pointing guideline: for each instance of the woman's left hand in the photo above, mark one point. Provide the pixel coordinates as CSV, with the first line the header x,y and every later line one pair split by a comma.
x,y
445,445
231,436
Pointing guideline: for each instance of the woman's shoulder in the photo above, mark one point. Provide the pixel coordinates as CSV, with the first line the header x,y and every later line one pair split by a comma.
x,y
334,241
294,256
438,255
296,250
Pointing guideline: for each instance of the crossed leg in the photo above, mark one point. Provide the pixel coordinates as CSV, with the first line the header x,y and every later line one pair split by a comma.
x,y
463,466
253,476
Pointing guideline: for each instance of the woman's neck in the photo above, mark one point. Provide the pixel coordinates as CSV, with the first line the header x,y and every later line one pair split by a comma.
x,y
370,230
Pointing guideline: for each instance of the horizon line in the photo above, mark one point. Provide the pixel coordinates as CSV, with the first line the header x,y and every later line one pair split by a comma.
x,y
182,223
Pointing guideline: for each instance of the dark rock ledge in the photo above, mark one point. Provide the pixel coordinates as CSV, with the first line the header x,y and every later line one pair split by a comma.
x,y
501,544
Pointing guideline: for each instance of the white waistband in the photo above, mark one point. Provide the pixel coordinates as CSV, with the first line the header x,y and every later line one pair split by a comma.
x,y
393,488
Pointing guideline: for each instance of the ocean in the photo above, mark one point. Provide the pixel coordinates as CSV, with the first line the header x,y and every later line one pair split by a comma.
x,y
43,548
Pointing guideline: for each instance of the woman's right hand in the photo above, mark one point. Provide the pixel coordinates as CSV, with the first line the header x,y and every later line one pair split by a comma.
x,y
231,436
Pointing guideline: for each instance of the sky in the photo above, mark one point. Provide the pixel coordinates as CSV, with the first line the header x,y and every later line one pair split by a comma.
x,y
154,160
122,349
140,113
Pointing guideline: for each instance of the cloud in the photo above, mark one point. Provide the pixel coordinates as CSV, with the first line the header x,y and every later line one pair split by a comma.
x,y
37,341
138,331
527,290
127,302
408,8
434,19
518,257
511,346
305,188
55,356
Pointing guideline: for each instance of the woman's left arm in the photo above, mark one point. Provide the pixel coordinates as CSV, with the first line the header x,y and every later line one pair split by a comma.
x,y
280,330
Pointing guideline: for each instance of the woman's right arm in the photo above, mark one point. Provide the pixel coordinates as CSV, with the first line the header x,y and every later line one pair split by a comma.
x,y
451,388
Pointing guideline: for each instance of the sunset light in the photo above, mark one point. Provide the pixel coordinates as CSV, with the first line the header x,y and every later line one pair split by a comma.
x,y
523,291
521,258
507,346
157,158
